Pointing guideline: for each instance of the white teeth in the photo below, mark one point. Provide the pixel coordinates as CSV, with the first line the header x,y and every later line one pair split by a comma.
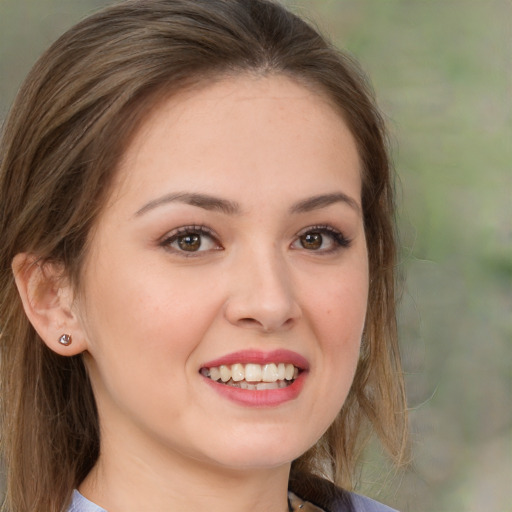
x,y
253,372
214,373
267,385
225,373
254,376
237,372
269,373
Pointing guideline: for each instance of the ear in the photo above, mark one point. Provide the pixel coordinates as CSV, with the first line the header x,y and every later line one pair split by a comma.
x,y
47,298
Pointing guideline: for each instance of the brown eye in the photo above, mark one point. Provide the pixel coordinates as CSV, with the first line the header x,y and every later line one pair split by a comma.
x,y
321,239
189,243
311,241
188,240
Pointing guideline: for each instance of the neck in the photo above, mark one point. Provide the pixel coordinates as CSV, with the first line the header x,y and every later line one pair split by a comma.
x,y
126,481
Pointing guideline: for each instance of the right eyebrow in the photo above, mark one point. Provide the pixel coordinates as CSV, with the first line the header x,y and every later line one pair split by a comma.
x,y
205,201
324,200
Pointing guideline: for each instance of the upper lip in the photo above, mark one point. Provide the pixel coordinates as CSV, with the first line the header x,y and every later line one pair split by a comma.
x,y
260,357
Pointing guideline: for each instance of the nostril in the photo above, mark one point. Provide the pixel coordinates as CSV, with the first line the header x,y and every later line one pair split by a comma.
x,y
251,311
249,322
288,322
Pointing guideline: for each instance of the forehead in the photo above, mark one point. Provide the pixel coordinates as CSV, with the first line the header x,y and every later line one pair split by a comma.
x,y
240,128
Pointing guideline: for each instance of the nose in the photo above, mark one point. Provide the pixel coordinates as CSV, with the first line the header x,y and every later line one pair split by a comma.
x,y
262,295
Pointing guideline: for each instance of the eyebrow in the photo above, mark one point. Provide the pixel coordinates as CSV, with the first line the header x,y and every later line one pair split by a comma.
x,y
324,200
212,203
204,201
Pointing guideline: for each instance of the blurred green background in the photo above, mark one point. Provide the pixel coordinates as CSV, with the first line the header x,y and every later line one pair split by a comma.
x,y
442,70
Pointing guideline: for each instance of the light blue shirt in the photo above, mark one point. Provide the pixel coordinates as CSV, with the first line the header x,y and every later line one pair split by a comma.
x,y
360,504
81,504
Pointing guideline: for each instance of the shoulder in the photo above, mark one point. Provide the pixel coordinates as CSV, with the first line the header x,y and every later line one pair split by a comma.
x,y
331,498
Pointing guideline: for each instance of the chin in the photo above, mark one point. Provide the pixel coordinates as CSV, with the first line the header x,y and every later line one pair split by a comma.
x,y
251,461
263,451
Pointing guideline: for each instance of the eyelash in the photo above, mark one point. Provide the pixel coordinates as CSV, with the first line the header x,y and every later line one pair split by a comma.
x,y
201,231
339,240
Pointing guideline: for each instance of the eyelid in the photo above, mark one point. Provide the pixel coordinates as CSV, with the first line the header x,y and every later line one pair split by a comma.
x,y
171,236
340,240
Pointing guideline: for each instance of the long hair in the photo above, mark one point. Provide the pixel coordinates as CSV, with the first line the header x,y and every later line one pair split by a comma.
x,y
66,132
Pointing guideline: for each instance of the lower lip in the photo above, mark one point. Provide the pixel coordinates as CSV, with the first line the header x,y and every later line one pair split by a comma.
x,y
262,398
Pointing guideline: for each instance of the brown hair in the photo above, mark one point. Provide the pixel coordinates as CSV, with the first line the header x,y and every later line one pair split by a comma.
x,y
66,132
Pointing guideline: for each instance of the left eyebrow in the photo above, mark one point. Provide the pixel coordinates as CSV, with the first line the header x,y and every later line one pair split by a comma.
x,y
324,200
203,201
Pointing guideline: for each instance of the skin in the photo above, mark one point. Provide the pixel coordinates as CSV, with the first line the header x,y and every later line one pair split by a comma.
x,y
150,315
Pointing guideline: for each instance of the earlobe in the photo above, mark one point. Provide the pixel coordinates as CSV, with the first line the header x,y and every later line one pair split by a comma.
x,y
48,303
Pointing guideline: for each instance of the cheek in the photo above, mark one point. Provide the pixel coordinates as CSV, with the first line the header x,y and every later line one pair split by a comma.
x,y
339,305
340,331
338,312
150,304
147,322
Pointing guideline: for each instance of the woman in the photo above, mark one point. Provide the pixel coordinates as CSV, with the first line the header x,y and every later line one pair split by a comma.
x,y
197,290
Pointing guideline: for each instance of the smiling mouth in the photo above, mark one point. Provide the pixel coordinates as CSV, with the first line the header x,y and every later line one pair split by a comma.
x,y
253,376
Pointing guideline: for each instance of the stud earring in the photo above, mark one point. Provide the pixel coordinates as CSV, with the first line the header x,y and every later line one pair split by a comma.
x,y
65,340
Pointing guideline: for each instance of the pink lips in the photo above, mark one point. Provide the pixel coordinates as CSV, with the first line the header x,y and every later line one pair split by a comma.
x,y
263,398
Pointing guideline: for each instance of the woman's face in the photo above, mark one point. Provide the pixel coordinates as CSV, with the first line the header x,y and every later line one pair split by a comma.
x,y
232,249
